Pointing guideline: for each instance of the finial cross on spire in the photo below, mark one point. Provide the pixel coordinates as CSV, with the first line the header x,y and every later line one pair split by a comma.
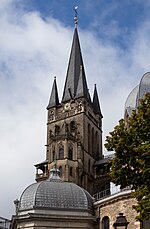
x,y
75,16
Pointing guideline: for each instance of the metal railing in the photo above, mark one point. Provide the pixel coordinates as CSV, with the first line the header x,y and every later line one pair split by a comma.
x,y
4,223
109,192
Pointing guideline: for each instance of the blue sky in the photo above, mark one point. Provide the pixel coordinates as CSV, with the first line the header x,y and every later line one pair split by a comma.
x,y
125,15
35,42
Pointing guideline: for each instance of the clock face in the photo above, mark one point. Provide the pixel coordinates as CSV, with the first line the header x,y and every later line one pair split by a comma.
x,y
67,106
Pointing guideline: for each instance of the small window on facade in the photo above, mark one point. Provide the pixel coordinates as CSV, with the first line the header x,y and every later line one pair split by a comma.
x,y
57,129
105,223
70,152
53,155
72,126
70,171
61,152
60,169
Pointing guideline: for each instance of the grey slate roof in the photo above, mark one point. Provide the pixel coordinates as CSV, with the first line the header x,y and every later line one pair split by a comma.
x,y
82,90
75,83
58,195
54,99
96,103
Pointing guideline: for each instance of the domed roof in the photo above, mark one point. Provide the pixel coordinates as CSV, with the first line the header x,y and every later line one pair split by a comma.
x,y
130,103
137,93
144,87
53,193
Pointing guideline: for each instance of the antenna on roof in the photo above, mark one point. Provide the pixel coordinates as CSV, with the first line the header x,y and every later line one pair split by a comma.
x,y
75,16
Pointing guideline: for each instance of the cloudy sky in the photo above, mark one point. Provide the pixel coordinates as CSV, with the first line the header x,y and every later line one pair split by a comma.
x,y
35,42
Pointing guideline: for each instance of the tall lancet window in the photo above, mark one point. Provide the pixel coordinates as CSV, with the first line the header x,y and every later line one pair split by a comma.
x,y
89,165
53,154
89,138
93,143
61,151
70,152
96,145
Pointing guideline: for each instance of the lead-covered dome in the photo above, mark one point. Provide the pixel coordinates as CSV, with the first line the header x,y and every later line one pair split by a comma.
x,y
55,194
137,93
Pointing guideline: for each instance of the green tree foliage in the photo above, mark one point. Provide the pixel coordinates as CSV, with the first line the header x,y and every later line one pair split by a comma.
x,y
130,140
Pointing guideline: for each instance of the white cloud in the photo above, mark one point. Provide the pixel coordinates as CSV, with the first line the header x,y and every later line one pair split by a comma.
x,y
32,51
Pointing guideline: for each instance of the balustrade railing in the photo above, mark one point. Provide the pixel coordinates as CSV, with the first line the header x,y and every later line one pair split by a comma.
x,y
109,192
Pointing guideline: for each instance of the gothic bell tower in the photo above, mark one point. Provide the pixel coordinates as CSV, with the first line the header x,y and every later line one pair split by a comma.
x,y
74,126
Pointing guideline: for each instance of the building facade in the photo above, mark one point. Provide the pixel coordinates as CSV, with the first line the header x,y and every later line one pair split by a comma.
x,y
74,127
74,167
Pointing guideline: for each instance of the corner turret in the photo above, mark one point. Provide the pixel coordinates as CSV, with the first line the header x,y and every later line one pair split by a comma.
x,y
54,99
96,104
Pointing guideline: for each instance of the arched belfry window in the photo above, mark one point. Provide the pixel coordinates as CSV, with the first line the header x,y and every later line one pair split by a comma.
x,y
70,152
61,151
105,223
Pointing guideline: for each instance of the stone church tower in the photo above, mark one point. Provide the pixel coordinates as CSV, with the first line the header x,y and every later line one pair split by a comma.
x,y
74,127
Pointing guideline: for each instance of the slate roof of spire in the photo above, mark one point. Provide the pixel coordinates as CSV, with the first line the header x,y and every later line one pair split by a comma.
x,y
54,99
82,89
74,81
96,103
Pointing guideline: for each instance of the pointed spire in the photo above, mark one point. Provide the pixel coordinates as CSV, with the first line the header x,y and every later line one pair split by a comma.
x,y
73,71
96,103
82,90
54,99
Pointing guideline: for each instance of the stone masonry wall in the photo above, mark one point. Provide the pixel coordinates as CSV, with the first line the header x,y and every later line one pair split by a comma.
x,y
113,207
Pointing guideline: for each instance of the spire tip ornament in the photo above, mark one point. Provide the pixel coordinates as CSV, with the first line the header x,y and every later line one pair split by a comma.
x,y
75,16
